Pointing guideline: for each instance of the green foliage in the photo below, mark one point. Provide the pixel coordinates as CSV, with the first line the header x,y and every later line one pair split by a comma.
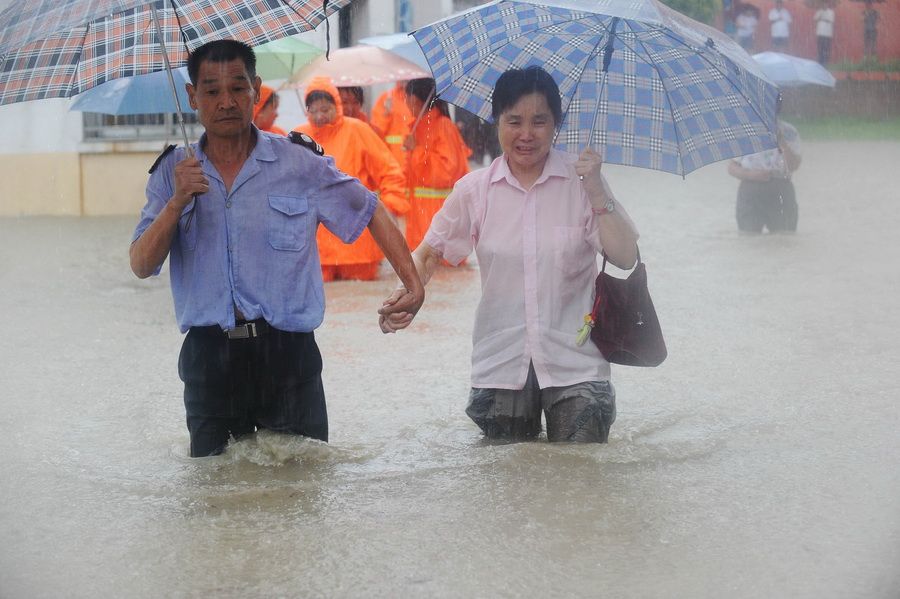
x,y
848,129
704,11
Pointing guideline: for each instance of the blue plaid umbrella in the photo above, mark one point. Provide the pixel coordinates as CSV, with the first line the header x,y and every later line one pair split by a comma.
x,y
641,83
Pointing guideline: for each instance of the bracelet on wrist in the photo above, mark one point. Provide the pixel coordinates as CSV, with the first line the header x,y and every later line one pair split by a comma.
x,y
609,206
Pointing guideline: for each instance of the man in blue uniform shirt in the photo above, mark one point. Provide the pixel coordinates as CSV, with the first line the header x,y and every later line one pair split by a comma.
x,y
237,218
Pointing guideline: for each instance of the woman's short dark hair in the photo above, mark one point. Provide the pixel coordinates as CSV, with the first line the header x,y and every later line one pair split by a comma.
x,y
423,89
318,95
221,51
515,83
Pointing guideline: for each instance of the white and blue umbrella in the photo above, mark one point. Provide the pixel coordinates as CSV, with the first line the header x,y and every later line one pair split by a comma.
x,y
641,83
792,71
140,94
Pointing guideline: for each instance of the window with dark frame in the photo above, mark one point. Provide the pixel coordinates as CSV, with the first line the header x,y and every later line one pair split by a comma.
x,y
138,127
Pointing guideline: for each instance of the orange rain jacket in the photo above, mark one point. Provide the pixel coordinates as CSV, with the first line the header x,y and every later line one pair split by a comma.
x,y
265,92
439,159
358,151
391,117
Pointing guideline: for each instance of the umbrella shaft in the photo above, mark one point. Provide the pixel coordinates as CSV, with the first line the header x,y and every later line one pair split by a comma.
x,y
165,55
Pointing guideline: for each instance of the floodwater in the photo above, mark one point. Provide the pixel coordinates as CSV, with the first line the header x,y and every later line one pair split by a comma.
x,y
762,459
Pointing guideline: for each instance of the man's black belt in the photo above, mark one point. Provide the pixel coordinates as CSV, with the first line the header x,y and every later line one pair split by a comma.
x,y
248,330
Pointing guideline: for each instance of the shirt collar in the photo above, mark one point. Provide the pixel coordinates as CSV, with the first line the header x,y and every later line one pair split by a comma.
x,y
262,150
554,167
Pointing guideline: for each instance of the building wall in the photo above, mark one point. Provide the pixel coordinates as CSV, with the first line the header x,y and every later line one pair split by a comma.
x,y
847,45
113,183
45,183
39,159
48,169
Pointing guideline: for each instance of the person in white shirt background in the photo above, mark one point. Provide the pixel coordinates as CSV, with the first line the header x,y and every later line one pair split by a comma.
x,y
824,20
781,21
766,198
745,26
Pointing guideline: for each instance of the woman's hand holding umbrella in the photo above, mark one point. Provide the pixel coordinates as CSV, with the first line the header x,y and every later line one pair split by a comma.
x,y
588,168
621,241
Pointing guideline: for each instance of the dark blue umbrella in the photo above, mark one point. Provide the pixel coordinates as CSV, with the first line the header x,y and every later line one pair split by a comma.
x,y
141,94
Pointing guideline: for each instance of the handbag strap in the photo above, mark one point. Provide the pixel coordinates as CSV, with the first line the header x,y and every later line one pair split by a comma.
x,y
596,306
603,253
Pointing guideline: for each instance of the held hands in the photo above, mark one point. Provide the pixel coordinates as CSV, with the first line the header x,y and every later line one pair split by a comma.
x,y
588,168
399,309
189,181
409,143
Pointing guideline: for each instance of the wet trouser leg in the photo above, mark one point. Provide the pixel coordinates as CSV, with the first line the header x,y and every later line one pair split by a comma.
x,y
214,393
233,386
748,211
770,204
789,209
509,414
289,377
583,412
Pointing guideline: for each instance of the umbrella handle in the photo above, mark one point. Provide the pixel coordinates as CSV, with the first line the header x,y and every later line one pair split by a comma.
x,y
165,55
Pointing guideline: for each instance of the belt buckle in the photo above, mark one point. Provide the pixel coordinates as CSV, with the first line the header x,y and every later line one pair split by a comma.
x,y
244,331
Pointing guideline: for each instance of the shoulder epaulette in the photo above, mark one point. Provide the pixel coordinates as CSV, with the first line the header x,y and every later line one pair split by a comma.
x,y
159,158
306,141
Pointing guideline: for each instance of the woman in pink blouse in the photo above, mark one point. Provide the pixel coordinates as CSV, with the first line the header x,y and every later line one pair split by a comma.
x,y
536,219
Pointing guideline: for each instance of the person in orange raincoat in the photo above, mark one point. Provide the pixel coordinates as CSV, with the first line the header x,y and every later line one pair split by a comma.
x,y
392,120
358,151
352,99
438,157
266,111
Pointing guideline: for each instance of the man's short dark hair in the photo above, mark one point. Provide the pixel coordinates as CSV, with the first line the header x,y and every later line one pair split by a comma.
x,y
221,51
515,83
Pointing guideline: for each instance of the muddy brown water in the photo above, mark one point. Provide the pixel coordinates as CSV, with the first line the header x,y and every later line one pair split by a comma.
x,y
761,460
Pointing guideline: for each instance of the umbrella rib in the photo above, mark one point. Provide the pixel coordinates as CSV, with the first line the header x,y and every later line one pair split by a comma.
x,y
493,48
288,4
77,63
180,27
565,115
735,87
662,82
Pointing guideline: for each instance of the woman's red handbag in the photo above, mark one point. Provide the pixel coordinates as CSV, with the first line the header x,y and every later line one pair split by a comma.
x,y
625,326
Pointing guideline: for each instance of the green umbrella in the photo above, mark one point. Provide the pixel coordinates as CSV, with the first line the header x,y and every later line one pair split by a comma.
x,y
283,57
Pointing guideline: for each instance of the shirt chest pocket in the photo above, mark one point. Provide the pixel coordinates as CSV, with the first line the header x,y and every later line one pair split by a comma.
x,y
288,223
569,248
